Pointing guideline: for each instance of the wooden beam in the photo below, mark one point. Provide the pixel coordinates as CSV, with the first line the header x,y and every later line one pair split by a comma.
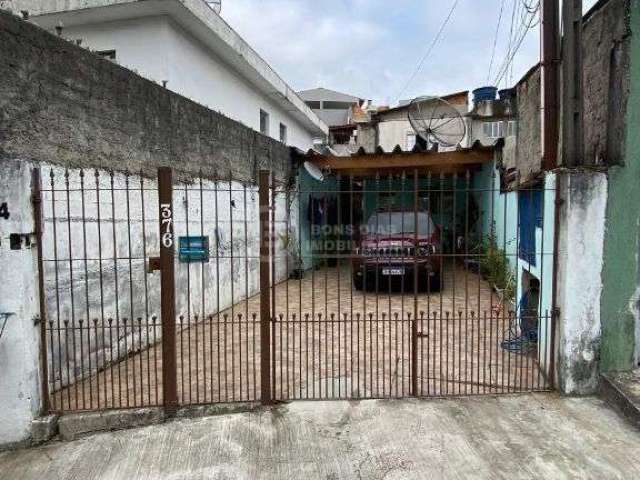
x,y
434,170
446,162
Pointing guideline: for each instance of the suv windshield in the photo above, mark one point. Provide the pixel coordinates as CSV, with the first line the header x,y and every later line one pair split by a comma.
x,y
399,223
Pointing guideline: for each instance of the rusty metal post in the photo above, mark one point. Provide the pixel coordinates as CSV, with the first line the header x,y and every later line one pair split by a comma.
x,y
36,201
550,25
414,323
265,289
167,291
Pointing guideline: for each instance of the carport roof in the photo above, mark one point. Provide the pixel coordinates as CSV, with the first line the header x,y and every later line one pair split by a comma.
x,y
363,163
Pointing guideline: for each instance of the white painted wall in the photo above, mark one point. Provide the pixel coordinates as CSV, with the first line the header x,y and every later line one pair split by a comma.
x,y
584,196
138,42
159,49
19,345
202,289
394,132
196,73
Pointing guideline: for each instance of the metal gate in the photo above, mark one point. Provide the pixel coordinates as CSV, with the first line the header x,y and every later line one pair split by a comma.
x,y
409,283
207,290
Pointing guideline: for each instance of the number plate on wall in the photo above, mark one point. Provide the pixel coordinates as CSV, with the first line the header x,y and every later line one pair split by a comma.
x,y
194,249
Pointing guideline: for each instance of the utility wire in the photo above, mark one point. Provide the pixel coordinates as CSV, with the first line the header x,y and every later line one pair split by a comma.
x,y
514,13
430,49
518,23
530,19
495,40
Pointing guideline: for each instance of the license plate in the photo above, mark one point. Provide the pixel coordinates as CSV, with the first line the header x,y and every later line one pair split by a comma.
x,y
392,271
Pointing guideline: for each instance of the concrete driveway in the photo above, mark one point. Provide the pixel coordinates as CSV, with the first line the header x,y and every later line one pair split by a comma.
x,y
356,356
513,437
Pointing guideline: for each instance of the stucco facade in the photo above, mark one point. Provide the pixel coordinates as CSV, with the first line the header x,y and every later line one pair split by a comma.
x,y
620,302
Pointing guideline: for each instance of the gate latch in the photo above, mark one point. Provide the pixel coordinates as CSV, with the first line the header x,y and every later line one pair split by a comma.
x,y
154,264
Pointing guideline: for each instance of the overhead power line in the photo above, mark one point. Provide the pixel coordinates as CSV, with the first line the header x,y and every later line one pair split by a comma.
x,y
429,50
529,20
495,40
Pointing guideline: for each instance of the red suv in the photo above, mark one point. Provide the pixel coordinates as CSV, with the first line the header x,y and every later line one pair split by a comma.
x,y
391,248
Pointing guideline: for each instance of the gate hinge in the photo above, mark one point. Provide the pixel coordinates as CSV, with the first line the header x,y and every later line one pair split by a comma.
x,y
154,265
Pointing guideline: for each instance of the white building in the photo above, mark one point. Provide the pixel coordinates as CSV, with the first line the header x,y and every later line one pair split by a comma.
x,y
334,108
189,47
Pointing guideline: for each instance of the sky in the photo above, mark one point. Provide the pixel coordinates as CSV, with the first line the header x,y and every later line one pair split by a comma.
x,y
373,48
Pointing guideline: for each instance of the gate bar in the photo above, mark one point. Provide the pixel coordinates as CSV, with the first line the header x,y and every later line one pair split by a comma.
x,y
414,323
265,300
167,291
36,201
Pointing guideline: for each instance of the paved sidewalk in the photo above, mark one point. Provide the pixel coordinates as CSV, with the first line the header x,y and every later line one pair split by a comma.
x,y
515,437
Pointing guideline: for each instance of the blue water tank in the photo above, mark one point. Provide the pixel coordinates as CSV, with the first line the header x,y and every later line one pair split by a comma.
x,y
484,94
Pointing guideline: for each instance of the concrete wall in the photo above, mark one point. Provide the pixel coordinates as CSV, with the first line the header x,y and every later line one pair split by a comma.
x,y
112,225
19,344
65,108
620,304
605,47
529,149
64,105
584,200
160,50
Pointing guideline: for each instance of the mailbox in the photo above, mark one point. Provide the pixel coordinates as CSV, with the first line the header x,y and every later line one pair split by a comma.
x,y
193,249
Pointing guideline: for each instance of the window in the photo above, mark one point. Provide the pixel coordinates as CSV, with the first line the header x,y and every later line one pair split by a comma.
x,y
264,122
314,105
493,129
283,133
512,128
530,204
411,141
108,54
336,105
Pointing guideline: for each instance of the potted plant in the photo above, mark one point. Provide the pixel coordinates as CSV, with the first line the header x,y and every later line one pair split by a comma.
x,y
294,256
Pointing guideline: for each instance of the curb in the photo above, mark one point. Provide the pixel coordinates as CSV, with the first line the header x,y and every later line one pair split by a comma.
x,y
615,395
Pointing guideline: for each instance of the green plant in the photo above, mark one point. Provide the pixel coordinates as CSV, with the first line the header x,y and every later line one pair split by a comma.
x,y
290,243
495,267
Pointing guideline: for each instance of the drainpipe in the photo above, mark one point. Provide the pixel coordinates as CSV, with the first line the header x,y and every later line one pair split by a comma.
x,y
550,61
555,309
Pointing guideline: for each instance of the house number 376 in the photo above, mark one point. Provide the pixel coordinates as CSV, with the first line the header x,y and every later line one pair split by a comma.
x,y
166,225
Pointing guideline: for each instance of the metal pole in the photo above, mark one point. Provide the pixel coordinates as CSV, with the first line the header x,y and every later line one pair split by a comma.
x,y
265,284
550,136
36,200
550,82
414,323
167,286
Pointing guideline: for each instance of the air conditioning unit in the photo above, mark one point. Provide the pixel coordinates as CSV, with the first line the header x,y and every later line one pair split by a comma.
x,y
215,5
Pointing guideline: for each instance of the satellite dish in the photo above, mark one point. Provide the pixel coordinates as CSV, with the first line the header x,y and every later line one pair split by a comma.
x,y
436,121
314,171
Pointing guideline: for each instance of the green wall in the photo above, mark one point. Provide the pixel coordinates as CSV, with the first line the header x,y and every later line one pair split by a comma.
x,y
620,272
